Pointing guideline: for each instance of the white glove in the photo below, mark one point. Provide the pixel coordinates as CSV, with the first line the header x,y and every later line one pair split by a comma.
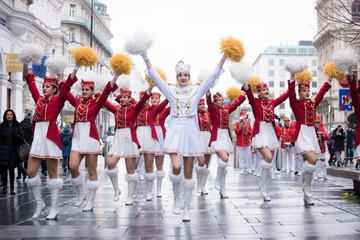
x,y
350,70
29,65
223,57
77,67
144,56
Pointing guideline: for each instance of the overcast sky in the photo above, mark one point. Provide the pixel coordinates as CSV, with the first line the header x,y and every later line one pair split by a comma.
x,y
191,30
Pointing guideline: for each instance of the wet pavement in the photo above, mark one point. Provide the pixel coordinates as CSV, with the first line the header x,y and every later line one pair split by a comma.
x,y
243,216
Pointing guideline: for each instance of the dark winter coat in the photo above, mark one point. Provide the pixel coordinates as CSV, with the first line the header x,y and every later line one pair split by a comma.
x,y
10,139
350,138
27,130
338,140
66,139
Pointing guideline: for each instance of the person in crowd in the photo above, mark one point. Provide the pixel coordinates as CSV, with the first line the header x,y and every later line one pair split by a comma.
x,y
330,147
306,140
220,140
264,137
46,142
204,120
287,151
322,136
339,137
350,139
11,136
243,131
86,140
26,126
183,139
66,140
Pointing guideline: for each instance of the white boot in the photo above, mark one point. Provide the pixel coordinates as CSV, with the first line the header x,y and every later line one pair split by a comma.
x,y
149,177
136,185
176,182
34,184
199,175
307,174
189,185
132,180
78,183
264,182
203,181
159,177
324,170
113,174
92,186
223,194
221,166
54,185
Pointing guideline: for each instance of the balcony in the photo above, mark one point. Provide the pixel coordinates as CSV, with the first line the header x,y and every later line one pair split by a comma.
x,y
85,23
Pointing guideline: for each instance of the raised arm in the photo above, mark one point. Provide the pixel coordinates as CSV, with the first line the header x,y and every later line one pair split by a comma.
x,y
237,102
30,80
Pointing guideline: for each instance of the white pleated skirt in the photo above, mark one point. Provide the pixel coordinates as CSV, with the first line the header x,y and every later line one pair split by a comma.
x,y
205,139
82,142
266,137
123,146
160,136
183,137
321,156
147,143
223,142
42,147
307,141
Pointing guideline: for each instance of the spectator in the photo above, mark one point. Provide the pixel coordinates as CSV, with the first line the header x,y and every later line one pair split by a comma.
x,y
339,137
350,139
28,136
66,140
330,147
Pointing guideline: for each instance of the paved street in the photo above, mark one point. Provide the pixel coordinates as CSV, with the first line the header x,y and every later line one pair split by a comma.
x,y
243,216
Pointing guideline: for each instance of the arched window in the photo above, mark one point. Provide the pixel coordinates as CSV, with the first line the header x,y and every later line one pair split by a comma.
x,y
355,10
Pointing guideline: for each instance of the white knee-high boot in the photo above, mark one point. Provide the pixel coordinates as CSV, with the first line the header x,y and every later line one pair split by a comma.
x,y
221,166
264,182
136,185
189,185
199,175
223,194
132,180
34,184
176,182
307,175
93,187
113,174
159,177
203,181
78,183
54,185
149,177
324,170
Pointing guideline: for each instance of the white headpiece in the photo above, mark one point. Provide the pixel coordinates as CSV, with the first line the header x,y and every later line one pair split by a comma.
x,y
182,67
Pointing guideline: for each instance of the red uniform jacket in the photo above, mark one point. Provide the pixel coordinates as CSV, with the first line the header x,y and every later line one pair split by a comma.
x,y
286,136
220,117
356,103
49,109
305,112
86,110
322,137
153,116
243,134
204,120
125,116
160,120
263,110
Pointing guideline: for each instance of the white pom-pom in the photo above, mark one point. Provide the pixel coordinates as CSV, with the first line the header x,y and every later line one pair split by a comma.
x,y
296,65
203,74
344,59
241,72
123,81
138,43
89,76
102,82
31,52
76,88
56,63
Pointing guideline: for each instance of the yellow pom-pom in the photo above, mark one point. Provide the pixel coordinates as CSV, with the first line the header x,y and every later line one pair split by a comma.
x,y
304,76
85,56
233,93
253,82
121,64
151,82
233,49
331,70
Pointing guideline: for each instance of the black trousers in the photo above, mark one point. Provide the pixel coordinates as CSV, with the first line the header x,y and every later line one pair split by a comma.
x,y
4,175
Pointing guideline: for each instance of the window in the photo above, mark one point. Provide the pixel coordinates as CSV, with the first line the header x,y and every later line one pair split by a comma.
x,y
282,73
271,62
271,84
282,84
282,106
314,62
271,95
281,62
271,73
70,59
292,50
313,94
72,10
314,73
302,50
71,34
312,50
355,11
314,84
281,50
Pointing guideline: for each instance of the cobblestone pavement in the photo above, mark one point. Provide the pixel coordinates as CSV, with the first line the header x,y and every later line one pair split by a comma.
x,y
244,215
